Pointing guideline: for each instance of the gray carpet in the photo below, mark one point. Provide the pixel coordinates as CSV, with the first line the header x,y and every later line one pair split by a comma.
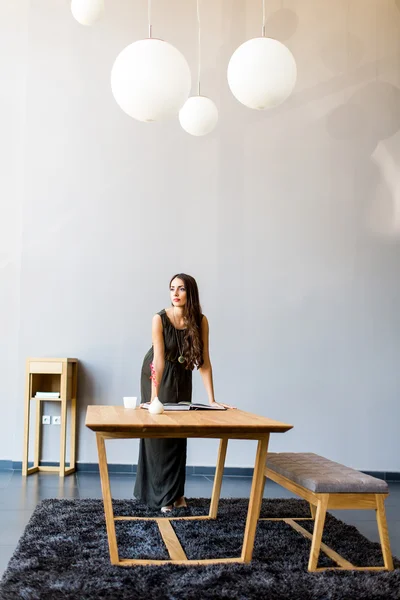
x,y
63,553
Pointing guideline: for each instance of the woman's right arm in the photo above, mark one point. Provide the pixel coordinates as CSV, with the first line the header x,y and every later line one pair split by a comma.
x,y
159,354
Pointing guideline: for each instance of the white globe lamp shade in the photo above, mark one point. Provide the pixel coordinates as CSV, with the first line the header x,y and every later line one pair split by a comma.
x,y
262,73
198,116
150,80
87,12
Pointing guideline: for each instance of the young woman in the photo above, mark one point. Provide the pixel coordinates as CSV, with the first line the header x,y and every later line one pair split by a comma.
x,y
180,344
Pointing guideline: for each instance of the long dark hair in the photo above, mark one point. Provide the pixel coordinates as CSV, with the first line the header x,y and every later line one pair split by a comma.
x,y
193,343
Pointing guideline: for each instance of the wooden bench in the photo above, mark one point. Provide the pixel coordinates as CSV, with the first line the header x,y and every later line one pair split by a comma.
x,y
329,485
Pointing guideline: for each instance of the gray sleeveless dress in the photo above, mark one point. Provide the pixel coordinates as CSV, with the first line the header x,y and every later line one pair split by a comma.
x,y
160,478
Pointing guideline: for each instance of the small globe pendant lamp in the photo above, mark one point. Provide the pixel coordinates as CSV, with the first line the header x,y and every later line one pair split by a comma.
x,y
87,12
199,115
150,79
262,72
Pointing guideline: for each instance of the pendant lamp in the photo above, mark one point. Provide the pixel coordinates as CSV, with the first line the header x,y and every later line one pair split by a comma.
x,y
262,72
150,79
87,12
199,115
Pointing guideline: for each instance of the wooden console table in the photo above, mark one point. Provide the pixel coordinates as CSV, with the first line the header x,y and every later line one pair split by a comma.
x,y
51,375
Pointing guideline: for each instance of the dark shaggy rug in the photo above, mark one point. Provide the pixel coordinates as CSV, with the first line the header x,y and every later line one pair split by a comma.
x,y
63,553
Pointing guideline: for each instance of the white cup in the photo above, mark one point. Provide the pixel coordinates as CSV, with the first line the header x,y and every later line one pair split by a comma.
x,y
130,401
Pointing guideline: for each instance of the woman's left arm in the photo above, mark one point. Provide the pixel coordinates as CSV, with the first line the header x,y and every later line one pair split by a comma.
x,y
206,369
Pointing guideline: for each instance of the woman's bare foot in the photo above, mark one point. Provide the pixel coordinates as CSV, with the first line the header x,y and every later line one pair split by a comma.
x,y
166,509
180,503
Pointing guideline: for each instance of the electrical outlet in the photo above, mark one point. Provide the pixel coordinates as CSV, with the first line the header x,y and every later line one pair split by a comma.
x,y
45,420
56,420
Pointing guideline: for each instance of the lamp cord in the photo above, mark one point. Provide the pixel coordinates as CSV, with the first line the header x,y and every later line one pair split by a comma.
x,y
263,22
149,17
199,48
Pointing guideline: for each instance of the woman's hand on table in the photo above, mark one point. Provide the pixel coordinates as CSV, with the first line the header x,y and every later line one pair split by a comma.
x,y
222,404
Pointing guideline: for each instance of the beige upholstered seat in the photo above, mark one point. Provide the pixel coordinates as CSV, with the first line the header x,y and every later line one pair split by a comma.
x,y
323,476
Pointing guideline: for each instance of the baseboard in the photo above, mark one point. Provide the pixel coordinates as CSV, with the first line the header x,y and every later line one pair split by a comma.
x,y
10,465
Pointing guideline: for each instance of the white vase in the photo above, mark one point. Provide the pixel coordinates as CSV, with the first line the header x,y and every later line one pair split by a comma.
x,y
156,407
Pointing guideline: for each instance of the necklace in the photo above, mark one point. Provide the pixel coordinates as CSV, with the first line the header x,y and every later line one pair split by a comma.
x,y
181,358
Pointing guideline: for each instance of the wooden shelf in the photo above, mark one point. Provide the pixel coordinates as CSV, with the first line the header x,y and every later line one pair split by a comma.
x,y
52,375
46,399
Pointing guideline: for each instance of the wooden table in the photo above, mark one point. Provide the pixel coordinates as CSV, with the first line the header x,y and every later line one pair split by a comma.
x,y
116,422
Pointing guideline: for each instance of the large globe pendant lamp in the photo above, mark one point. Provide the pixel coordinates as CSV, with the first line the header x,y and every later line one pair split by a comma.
x,y
87,12
150,79
262,72
199,115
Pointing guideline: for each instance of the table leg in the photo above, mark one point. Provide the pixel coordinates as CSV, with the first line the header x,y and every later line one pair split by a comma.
x,y
63,420
38,434
28,396
108,509
219,471
256,494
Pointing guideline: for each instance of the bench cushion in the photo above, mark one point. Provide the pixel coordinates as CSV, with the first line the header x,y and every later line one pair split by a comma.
x,y
321,475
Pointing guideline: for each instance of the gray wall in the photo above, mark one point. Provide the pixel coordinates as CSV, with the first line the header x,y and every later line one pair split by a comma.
x,y
289,220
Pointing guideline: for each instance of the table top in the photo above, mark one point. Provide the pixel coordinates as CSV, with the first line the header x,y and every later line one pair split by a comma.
x,y
138,422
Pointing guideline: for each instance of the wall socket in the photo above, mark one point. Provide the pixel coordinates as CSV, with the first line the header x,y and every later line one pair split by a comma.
x,y
45,420
56,420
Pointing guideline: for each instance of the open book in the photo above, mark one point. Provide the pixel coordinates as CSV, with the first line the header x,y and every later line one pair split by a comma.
x,y
187,406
